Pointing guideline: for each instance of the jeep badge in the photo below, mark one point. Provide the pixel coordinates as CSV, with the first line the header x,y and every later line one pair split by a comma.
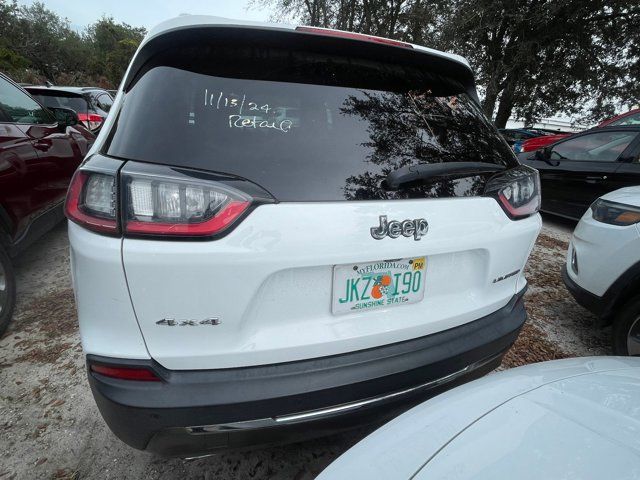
x,y
418,228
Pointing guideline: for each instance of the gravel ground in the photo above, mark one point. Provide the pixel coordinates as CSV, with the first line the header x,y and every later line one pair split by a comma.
x,y
51,428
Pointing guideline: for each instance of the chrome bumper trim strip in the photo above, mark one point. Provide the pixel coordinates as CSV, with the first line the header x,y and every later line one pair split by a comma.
x,y
336,409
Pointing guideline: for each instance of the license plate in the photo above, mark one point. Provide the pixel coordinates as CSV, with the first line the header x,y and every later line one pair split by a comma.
x,y
386,283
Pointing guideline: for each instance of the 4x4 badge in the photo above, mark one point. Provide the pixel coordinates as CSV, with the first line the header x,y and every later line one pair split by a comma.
x,y
172,322
417,228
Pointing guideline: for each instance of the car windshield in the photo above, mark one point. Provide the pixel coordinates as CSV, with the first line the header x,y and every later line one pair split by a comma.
x,y
628,120
304,126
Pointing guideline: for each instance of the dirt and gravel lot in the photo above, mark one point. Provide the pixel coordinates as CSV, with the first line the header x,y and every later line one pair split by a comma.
x,y
50,427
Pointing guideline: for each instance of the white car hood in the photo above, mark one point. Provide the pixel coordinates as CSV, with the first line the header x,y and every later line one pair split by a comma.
x,y
552,420
627,195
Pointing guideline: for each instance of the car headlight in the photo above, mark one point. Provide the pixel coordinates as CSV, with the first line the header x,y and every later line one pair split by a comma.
x,y
615,213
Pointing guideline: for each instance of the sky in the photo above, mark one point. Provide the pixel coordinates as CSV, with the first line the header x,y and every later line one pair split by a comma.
x,y
147,13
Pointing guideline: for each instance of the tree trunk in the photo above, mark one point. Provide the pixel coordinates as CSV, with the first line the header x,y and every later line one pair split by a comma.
x,y
415,24
507,100
490,98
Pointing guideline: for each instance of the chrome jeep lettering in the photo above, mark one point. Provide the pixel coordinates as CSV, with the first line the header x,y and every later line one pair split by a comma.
x,y
394,229
417,228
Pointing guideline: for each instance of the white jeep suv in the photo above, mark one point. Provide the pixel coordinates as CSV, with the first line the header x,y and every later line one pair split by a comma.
x,y
282,231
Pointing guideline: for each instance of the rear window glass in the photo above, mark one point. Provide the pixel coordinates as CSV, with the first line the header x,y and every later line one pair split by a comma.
x,y
304,126
49,100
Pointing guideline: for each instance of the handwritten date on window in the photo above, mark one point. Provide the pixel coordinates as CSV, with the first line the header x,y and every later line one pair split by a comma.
x,y
248,114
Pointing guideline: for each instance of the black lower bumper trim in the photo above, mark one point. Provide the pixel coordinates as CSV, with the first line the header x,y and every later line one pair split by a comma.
x,y
595,304
161,416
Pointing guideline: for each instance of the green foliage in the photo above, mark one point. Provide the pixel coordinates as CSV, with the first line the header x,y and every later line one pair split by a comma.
x,y
38,45
112,46
531,57
10,60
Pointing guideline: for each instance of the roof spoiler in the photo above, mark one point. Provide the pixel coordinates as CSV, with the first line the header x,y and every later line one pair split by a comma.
x,y
317,39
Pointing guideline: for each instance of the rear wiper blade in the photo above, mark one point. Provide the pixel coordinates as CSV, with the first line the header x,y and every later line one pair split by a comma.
x,y
430,171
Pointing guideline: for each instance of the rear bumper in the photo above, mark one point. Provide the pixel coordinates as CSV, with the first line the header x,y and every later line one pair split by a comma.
x,y
197,412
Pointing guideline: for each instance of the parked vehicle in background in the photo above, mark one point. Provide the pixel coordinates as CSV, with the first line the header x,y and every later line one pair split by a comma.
x,y
632,117
577,170
39,151
515,136
91,104
53,97
575,419
300,256
603,266
537,143
629,118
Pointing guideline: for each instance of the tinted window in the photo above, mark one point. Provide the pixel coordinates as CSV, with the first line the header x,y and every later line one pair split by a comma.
x,y
60,99
597,147
515,135
104,102
629,120
304,126
18,107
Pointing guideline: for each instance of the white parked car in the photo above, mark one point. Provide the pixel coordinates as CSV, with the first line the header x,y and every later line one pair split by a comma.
x,y
603,265
243,276
575,419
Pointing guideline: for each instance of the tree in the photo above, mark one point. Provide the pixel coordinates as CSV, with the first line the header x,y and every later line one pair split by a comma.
x,y
538,57
531,57
45,40
37,45
113,44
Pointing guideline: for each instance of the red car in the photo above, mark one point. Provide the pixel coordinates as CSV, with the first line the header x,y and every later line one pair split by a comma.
x,y
40,150
540,142
632,117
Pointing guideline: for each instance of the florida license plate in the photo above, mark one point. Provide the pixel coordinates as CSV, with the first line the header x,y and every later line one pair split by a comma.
x,y
386,283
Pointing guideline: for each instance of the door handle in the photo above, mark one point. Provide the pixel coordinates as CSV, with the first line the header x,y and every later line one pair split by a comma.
x,y
42,145
595,178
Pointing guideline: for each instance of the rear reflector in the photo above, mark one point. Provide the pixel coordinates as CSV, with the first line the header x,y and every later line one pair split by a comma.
x,y
140,374
353,36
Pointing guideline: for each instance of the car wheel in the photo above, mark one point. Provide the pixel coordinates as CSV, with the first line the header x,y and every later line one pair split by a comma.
x,y
7,290
626,329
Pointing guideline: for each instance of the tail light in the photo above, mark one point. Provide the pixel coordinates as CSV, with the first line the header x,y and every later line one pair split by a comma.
x,y
145,199
140,374
92,201
517,190
90,120
166,201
